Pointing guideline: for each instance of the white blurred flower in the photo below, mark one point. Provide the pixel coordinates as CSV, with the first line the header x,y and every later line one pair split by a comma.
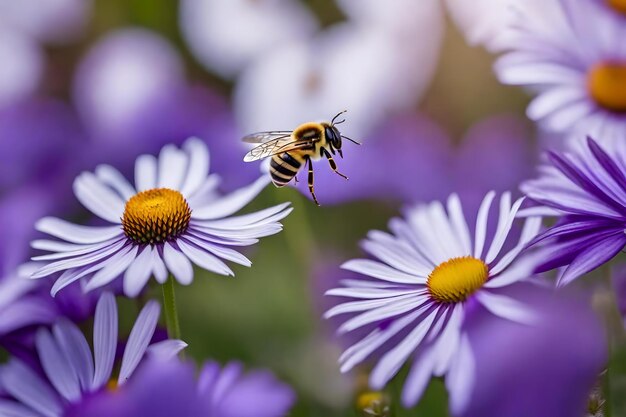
x,y
483,22
225,36
371,70
123,74
51,21
21,68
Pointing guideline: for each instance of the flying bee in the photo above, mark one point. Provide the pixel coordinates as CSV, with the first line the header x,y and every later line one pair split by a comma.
x,y
291,150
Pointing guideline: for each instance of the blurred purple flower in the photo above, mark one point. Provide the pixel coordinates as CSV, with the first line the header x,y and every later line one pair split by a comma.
x,y
22,66
587,189
133,98
39,139
229,392
571,53
547,370
410,158
227,36
72,371
128,76
170,389
49,21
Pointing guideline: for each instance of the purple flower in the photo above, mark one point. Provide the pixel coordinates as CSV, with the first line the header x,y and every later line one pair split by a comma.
x,y
23,66
587,189
39,139
169,389
571,53
173,216
428,277
546,370
229,392
72,372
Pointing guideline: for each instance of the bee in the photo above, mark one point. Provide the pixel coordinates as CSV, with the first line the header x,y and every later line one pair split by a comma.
x,y
290,150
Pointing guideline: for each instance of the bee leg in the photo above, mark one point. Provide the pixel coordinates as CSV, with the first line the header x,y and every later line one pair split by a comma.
x,y
311,181
295,178
332,163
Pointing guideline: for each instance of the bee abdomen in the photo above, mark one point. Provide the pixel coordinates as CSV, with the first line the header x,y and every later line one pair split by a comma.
x,y
283,168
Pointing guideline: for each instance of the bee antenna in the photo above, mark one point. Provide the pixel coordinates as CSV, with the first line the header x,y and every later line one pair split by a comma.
x,y
332,122
351,140
339,122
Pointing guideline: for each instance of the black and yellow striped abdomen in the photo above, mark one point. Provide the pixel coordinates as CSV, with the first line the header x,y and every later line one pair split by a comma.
x,y
285,166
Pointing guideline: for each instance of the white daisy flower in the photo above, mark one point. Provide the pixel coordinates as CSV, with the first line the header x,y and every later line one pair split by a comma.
x,y
173,216
428,277
571,52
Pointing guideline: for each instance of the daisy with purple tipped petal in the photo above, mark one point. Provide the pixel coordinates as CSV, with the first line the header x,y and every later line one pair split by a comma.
x,y
572,52
72,371
173,216
587,188
428,277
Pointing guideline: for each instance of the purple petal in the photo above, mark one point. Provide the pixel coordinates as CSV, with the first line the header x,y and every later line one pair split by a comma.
x,y
139,338
104,339
58,370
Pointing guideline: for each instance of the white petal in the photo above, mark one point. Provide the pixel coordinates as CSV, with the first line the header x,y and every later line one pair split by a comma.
x,y
75,233
461,377
76,350
481,224
78,261
98,198
58,370
530,230
172,167
138,273
221,251
29,389
178,264
232,202
358,352
418,378
394,309
104,339
198,166
268,215
114,179
158,267
139,338
166,349
381,271
202,258
503,231
391,362
145,173
457,218
113,269
506,307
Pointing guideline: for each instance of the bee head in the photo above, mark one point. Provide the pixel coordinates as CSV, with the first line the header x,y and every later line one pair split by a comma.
x,y
333,136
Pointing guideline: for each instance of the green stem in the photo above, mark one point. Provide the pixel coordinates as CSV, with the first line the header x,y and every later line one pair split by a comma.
x,y
171,313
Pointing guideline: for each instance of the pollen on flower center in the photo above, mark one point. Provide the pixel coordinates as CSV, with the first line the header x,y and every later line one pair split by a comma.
x,y
607,84
156,215
619,5
456,279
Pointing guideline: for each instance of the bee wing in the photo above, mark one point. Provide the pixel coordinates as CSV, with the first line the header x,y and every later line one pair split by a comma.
x,y
262,137
278,145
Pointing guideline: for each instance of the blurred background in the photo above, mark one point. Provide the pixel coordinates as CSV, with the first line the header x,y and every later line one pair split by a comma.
x,y
84,82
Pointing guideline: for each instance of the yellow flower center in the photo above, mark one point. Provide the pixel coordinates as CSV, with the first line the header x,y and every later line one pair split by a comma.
x,y
155,216
607,84
112,385
619,5
456,279
373,403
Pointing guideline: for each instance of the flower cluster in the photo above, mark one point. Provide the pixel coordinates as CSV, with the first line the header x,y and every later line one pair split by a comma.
x,y
483,287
